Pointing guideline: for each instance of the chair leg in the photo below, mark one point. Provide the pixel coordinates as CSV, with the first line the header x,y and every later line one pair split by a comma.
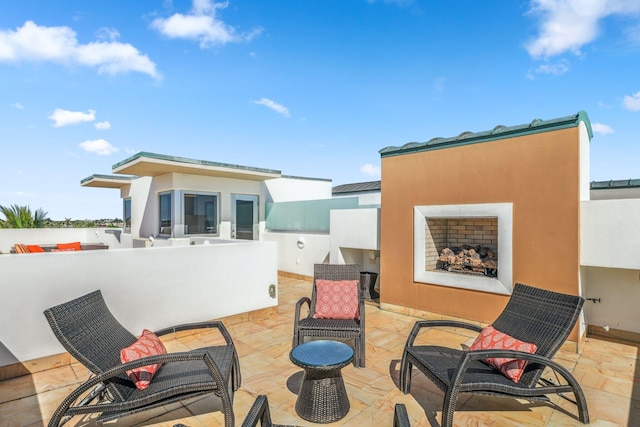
x,y
449,406
360,353
405,375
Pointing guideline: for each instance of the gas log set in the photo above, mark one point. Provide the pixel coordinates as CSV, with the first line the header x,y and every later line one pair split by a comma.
x,y
477,260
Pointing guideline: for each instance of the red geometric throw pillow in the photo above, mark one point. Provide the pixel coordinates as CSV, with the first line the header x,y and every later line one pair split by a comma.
x,y
337,299
147,345
34,248
492,339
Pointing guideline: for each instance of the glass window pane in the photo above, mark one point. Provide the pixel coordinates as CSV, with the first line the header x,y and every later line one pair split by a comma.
x,y
127,215
165,213
201,213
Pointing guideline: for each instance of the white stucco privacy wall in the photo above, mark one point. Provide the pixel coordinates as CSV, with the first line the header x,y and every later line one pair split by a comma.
x,y
610,266
354,229
293,189
298,252
609,233
144,288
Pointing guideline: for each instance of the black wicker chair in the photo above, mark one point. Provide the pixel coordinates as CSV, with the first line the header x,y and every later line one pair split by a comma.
x,y
259,413
332,328
90,333
534,315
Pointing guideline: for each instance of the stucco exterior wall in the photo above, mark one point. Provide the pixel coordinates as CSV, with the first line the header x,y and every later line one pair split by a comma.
x,y
538,173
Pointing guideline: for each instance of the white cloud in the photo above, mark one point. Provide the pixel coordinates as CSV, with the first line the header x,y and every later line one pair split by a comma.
x,y
99,147
370,169
34,43
102,125
64,117
18,106
601,128
202,25
632,102
557,69
278,108
107,33
567,25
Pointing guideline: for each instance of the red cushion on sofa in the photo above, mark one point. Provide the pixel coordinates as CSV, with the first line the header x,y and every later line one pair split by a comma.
x,y
337,299
73,246
492,339
35,248
147,345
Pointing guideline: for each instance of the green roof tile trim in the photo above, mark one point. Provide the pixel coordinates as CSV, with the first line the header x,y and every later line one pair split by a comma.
x,y
498,132
191,162
620,183
111,177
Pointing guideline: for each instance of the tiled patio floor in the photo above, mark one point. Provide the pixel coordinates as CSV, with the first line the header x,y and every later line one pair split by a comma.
x,y
605,369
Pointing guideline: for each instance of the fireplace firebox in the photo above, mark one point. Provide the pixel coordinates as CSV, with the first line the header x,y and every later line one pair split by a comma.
x,y
457,246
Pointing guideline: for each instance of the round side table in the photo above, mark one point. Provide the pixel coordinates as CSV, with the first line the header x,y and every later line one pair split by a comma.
x,y
322,397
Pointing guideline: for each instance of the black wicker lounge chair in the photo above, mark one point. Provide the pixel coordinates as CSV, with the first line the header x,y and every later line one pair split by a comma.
x,y
533,315
332,328
259,413
90,333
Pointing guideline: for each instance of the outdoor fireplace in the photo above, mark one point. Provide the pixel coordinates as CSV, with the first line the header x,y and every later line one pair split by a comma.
x,y
462,245
465,246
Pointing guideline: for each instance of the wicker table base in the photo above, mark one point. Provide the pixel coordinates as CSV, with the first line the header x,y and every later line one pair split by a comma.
x,y
322,397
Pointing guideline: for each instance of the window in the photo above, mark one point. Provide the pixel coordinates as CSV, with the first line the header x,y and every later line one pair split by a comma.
x,y
165,208
126,215
200,213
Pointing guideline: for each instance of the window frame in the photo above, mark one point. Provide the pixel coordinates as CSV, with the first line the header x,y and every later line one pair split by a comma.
x,y
172,216
217,200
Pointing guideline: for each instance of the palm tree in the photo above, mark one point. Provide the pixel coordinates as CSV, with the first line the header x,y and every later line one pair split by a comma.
x,y
21,217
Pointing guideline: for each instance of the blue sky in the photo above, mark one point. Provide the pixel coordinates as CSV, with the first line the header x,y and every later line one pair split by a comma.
x,y
312,88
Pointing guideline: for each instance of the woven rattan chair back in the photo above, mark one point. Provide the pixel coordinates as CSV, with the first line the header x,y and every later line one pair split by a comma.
x,y
89,332
542,317
333,272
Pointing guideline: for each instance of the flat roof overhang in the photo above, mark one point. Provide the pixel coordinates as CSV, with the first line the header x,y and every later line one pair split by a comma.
x,y
106,181
151,164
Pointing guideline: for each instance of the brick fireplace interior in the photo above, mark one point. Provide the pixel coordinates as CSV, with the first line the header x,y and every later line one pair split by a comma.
x,y
462,245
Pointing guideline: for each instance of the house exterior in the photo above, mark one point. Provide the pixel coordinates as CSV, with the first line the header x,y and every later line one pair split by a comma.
x,y
169,199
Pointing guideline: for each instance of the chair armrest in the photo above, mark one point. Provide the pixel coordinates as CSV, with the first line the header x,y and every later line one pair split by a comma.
x,y
400,417
421,324
198,325
259,412
299,304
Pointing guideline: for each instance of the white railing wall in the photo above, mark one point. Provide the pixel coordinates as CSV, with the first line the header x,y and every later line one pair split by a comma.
x,y
144,288
298,252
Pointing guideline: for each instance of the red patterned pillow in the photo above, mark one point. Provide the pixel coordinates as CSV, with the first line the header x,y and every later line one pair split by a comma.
x,y
147,345
34,248
337,299
492,339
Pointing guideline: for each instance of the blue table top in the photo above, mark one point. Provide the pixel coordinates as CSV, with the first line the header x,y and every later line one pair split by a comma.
x,y
322,353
